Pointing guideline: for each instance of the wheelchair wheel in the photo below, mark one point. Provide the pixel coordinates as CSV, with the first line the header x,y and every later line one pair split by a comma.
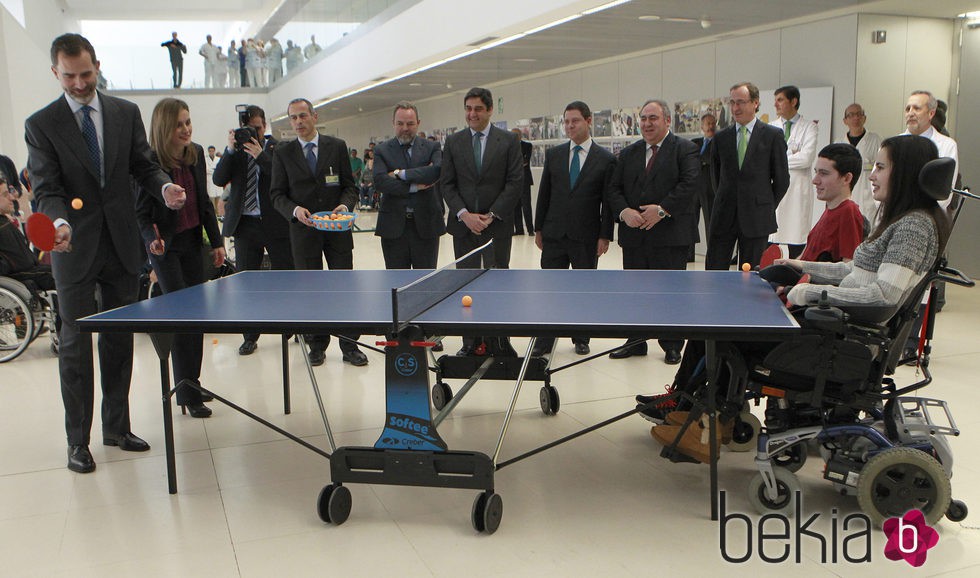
x,y
17,327
901,479
787,486
745,432
792,458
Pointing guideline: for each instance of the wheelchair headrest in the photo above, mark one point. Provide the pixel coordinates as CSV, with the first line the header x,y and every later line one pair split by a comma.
x,y
936,177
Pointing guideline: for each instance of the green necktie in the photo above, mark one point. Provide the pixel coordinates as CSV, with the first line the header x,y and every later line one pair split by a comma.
x,y
743,143
787,128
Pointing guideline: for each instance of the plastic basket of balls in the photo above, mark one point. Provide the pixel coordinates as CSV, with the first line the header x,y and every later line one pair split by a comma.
x,y
339,221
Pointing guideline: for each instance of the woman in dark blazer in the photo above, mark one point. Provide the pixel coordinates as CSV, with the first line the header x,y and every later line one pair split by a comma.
x,y
174,239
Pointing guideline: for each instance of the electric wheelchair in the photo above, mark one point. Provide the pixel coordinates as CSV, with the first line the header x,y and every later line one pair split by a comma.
x,y
25,312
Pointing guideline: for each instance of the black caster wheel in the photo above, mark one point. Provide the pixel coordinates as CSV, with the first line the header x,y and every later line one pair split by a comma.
x,y
334,504
488,509
550,402
442,394
957,511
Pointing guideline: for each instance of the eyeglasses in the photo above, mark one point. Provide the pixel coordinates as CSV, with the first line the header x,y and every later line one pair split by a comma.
x,y
854,114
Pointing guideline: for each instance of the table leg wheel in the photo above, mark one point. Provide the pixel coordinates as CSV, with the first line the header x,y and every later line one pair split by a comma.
x,y
550,402
333,504
442,394
488,509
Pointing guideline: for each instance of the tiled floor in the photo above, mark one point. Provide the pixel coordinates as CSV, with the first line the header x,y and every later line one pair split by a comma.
x,y
604,505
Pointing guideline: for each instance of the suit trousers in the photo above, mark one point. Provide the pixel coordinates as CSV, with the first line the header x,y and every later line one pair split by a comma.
x,y
721,245
410,251
524,207
499,255
182,265
250,246
310,248
116,287
562,254
652,256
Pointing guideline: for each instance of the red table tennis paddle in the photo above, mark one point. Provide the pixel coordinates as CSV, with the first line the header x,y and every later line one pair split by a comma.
x,y
770,255
40,231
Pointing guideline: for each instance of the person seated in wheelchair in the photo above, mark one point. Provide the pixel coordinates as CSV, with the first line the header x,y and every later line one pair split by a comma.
x,y
911,233
17,261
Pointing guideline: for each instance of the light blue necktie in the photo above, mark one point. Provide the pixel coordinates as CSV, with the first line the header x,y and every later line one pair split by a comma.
x,y
91,139
575,168
704,146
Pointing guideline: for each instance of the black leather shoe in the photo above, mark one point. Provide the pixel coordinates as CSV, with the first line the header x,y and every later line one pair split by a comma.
x,y
248,347
80,459
317,358
624,352
127,442
672,357
206,398
198,410
582,349
464,351
355,357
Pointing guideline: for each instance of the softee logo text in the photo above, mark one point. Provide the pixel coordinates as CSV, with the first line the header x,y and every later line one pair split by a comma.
x,y
407,424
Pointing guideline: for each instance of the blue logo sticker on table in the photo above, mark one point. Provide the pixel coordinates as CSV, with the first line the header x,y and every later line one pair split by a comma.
x,y
406,364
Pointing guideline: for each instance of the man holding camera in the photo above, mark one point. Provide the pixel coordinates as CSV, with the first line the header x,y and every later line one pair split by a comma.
x,y
249,215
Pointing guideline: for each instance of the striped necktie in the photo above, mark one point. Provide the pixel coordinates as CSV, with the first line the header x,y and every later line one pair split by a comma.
x,y
251,186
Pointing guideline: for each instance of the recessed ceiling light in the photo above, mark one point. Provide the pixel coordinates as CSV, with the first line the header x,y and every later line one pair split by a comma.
x,y
525,60
648,18
415,84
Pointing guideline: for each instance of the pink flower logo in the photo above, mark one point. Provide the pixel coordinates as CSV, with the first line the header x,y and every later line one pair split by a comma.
x,y
909,538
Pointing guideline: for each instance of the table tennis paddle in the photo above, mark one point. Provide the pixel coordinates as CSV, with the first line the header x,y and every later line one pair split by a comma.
x,y
40,231
770,255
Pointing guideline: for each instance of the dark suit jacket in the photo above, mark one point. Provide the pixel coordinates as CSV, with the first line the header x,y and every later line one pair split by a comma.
x,y
752,192
150,211
496,189
233,168
424,170
293,185
526,150
671,183
581,213
61,170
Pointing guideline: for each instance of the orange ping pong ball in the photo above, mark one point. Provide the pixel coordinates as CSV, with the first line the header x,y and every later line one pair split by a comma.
x,y
76,204
467,300
746,267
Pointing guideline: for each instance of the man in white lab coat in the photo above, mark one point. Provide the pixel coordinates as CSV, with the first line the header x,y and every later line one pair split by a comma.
x,y
867,143
794,214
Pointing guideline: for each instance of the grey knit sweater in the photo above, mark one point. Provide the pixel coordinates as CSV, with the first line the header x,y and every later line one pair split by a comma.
x,y
883,271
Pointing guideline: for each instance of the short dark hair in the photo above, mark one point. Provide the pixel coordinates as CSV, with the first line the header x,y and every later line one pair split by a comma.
x,y
255,111
71,45
790,92
846,159
482,93
581,107
299,100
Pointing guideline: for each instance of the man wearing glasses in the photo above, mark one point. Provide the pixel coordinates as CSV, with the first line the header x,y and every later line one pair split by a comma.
x,y
867,143
751,174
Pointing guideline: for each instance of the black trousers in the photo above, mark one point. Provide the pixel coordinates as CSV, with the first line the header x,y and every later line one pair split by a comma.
x,y
182,265
524,207
177,68
562,254
115,287
721,245
499,256
310,248
651,256
410,251
251,243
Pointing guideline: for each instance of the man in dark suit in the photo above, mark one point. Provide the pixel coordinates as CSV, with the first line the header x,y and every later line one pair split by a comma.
x,y
574,224
309,175
88,146
524,205
652,194
410,218
481,182
177,50
705,198
750,172
249,215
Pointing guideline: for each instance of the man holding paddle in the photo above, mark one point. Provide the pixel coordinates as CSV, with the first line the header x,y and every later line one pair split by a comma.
x,y
83,148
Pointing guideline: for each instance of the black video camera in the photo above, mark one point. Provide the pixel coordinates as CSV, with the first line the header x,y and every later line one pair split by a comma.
x,y
245,133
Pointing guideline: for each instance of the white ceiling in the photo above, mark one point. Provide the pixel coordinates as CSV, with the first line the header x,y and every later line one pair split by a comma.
x,y
610,33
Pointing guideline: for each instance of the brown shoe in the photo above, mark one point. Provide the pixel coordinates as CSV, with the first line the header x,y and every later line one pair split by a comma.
x,y
725,427
694,443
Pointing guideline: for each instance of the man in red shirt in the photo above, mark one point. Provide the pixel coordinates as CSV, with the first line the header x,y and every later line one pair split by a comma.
x,y
841,228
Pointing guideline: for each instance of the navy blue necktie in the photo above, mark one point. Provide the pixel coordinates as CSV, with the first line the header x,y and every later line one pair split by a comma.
x,y
310,157
704,146
91,139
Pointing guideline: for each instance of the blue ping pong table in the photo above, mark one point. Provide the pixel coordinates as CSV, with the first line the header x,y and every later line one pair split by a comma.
x,y
408,307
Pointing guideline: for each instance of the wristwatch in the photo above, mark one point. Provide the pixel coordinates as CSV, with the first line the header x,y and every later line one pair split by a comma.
x,y
662,213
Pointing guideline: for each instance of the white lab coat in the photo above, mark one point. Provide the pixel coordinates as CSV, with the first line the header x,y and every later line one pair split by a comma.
x,y
861,191
794,215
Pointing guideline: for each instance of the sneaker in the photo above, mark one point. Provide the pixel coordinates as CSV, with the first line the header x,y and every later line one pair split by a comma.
x,y
662,404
